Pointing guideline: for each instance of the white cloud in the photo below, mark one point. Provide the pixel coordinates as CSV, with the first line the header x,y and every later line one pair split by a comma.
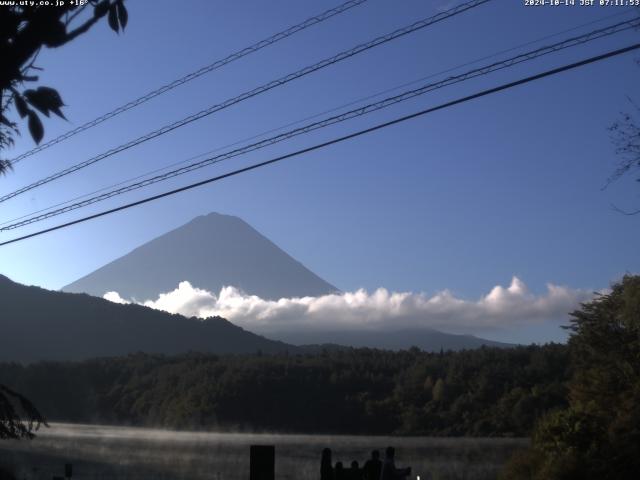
x,y
115,297
382,310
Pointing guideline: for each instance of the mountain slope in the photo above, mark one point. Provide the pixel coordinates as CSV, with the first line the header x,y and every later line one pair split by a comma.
x,y
424,338
38,324
210,252
217,250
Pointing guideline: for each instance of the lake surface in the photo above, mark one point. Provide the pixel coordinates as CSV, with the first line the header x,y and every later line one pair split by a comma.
x,y
102,452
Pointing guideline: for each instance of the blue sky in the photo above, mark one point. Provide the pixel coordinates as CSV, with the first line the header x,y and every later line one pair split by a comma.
x,y
463,199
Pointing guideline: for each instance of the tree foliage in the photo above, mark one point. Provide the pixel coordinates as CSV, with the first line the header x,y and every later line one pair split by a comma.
x,y
598,435
24,32
18,417
482,392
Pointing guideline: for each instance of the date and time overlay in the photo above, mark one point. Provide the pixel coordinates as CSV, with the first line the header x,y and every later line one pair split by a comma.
x,y
581,3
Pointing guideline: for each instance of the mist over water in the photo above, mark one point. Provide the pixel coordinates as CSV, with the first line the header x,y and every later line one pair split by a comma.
x,y
103,452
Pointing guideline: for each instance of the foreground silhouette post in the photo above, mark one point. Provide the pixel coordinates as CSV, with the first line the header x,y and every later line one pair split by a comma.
x,y
372,467
263,462
326,468
389,470
354,473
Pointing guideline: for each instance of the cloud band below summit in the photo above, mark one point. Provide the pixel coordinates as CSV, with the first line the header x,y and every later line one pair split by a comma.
x,y
379,310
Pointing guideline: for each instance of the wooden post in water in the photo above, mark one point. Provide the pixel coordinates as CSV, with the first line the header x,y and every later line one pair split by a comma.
x,y
68,473
263,462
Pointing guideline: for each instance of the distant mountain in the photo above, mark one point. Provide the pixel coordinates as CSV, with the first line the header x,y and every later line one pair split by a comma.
x,y
424,338
210,252
38,324
218,250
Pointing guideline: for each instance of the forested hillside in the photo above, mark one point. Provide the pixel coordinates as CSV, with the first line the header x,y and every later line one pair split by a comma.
x,y
38,324
598,435
482,392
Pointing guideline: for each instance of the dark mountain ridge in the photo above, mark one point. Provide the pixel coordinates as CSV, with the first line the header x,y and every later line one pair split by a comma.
x,y
38,324
426,339
218,250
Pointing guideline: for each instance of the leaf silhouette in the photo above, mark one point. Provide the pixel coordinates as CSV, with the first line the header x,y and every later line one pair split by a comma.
x,y
52,95
101,9
52,99
35,126
54,32
58,112
113,19
123,16
46,100
21,106
37,100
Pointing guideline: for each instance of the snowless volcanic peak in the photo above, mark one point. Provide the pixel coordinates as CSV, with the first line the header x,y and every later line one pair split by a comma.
x,y
210,252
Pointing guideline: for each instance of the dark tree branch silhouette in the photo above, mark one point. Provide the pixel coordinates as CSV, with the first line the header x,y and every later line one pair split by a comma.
x,y
24,31
19,418
625,135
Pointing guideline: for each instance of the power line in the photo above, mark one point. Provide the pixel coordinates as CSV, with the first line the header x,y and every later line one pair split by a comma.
x,y
380,126
309,22
372,107
319,114
257,91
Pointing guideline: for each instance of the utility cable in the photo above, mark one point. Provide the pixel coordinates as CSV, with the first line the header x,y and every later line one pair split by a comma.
x,y
359,133
316,115
252,93
193,75
372,107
